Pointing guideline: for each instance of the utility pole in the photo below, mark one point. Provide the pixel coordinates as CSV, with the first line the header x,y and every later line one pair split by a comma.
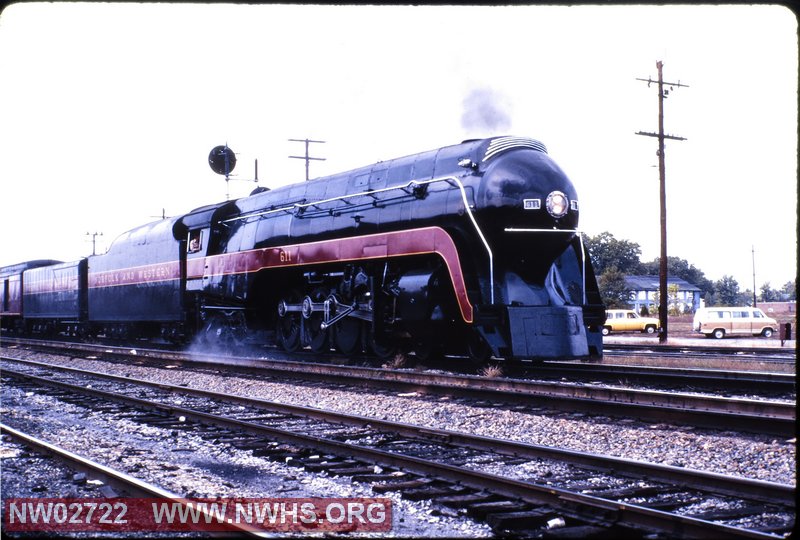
x,y
754,275
94,236
306,157
662,270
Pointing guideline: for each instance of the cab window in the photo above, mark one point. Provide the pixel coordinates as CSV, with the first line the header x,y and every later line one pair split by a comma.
x,y
195,242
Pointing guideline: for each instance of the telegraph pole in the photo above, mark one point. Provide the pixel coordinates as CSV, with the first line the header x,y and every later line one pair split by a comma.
x,y
306,157
753,248
662,270
94,236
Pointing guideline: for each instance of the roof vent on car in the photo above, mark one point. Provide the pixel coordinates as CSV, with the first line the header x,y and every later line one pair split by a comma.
x,y
502,144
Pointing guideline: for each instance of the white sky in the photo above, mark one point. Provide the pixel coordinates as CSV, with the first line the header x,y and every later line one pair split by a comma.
x,y
108,112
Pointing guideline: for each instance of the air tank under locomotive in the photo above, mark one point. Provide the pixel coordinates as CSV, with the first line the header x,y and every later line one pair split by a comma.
x,y
470,248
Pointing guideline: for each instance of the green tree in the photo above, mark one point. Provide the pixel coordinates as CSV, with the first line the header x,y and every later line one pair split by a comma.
x,y
745,298
789,290
681,268
726,291
768,294
607,252
672,299
613,289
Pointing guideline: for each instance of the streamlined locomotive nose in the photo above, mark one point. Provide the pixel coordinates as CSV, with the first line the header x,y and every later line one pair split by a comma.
x,y
531,189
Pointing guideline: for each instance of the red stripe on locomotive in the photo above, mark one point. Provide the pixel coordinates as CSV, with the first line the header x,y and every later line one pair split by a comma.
x,y
422,241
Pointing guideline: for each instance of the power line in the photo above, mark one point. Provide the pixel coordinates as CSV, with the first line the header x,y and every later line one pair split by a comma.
x,y
662,271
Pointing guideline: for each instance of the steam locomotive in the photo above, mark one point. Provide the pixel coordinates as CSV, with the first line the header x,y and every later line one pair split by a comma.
x,y
470,249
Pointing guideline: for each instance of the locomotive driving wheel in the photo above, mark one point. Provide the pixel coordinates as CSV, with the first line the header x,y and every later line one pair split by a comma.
x,y
313,334
347,336
382,350
288,330
429,344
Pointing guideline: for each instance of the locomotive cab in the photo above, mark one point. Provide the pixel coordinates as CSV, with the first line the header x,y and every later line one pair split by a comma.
x,y
202,235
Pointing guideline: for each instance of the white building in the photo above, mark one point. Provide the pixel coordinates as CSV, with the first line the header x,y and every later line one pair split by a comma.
x,y
644,292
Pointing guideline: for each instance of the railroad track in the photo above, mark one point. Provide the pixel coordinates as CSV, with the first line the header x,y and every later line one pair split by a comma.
x,y
636,499
767,354
756,416
774,354
125,483
762,383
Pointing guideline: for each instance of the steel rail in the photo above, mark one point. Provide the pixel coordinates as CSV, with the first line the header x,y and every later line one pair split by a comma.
x,y
780,380
785,355
121,479
752,380
758,416
717,483
573,504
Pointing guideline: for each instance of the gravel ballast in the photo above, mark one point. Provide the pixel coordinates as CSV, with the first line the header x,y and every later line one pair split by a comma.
x,y
185,464
750,456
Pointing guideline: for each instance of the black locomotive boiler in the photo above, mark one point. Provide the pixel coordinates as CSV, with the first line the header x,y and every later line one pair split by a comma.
x,y
467,249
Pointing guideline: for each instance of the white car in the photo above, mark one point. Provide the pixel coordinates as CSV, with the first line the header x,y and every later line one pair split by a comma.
x,y
719,322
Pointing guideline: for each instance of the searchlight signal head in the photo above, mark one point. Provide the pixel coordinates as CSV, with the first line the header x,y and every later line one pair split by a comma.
x,y
222,160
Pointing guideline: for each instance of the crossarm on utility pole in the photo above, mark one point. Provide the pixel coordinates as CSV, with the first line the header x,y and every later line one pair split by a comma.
x,y
662,271
306,157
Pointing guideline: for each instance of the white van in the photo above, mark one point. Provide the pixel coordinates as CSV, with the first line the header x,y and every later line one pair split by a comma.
x,y
733,321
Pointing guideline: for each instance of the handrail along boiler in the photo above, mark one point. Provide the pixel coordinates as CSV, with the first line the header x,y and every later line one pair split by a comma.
x,y
471,248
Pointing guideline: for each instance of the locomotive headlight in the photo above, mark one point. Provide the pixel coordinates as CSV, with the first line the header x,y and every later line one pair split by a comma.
x,y
557,204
